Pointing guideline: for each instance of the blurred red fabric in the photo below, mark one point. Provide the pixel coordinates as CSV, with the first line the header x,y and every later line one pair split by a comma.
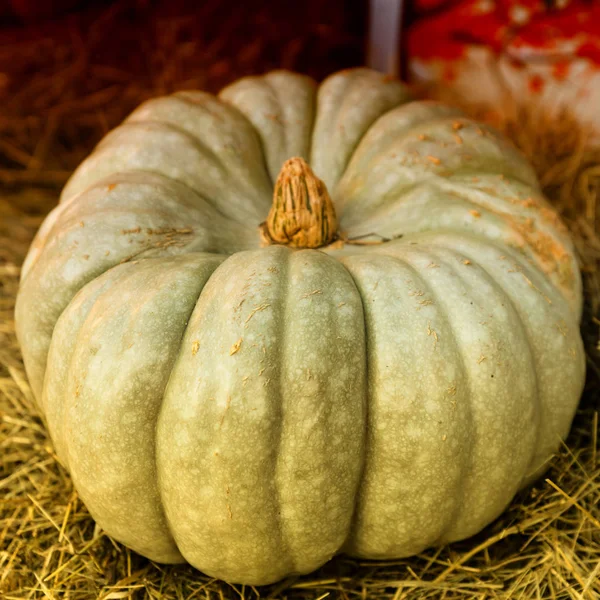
x,y
569,27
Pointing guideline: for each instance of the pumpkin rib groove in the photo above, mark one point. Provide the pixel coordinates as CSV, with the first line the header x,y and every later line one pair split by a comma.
x,y
546,234
110,180
273,90
156,482
196,142
261,141
362,542
359,140
539,279
387,200
532,363
396,193
406,133
172,241
542,279
365,450
461,176
61,213
185,97
391,200
476,434
280,93
331,124
319,411
134,176
204,216
186,266
384,143
197,194
254,204
44,404
176,359
564,312
83,281
283,338
353,520
311,128
399,136
466,465
530,346
131,177
181,96
334,124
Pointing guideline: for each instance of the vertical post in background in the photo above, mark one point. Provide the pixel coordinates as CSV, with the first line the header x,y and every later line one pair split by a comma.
x,y
385,27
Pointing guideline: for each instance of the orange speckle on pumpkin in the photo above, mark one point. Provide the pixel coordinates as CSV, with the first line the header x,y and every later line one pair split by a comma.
x,y
434,159
466,261
274,117
235,348
433,333
475,213
528,223
562,328
528,203
458,139
195,347
111,186
260,308
457,125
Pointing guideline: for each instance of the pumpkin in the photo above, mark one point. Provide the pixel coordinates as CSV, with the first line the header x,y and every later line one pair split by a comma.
x,y
297,320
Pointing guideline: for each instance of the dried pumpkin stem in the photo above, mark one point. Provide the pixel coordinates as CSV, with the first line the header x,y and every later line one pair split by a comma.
x,y
302,214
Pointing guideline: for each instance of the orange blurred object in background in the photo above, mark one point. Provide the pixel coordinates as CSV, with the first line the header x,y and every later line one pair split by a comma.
x,y
498,52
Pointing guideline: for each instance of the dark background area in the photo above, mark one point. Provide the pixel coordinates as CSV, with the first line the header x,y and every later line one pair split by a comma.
x,y
72,70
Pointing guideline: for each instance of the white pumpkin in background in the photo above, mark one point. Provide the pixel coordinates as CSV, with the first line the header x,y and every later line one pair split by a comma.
x,y
495,52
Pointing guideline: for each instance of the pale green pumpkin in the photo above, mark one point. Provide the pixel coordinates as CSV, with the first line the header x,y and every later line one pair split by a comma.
x,y
256,410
